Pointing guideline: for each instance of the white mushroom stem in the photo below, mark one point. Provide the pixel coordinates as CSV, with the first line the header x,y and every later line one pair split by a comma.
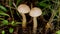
x,y
34,25
24,20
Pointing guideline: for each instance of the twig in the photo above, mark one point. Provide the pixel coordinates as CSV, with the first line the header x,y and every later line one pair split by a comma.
x,y
11,11
16,9
49,23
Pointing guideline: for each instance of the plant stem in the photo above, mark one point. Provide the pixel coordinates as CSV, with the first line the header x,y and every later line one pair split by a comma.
x,y
11,10
34,25
50,20
52,16
59,13
16,8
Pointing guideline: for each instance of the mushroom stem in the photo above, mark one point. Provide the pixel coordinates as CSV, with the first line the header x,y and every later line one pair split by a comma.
x,y
23,21
34,25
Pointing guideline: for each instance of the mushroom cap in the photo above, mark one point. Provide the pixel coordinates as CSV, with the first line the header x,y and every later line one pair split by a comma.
x,y
35,12
23,8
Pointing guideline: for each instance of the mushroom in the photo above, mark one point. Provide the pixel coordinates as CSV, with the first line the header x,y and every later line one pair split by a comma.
x,y
23,9
35,12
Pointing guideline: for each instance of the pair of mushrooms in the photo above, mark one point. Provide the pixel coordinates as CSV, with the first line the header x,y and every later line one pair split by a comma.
x,y
34,12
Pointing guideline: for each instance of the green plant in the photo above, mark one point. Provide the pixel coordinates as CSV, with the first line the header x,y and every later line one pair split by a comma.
x,y
3,32
58,32
11,30
5,22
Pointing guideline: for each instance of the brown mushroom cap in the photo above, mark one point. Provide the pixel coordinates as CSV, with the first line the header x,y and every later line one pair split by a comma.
x,y
23,8
35,12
